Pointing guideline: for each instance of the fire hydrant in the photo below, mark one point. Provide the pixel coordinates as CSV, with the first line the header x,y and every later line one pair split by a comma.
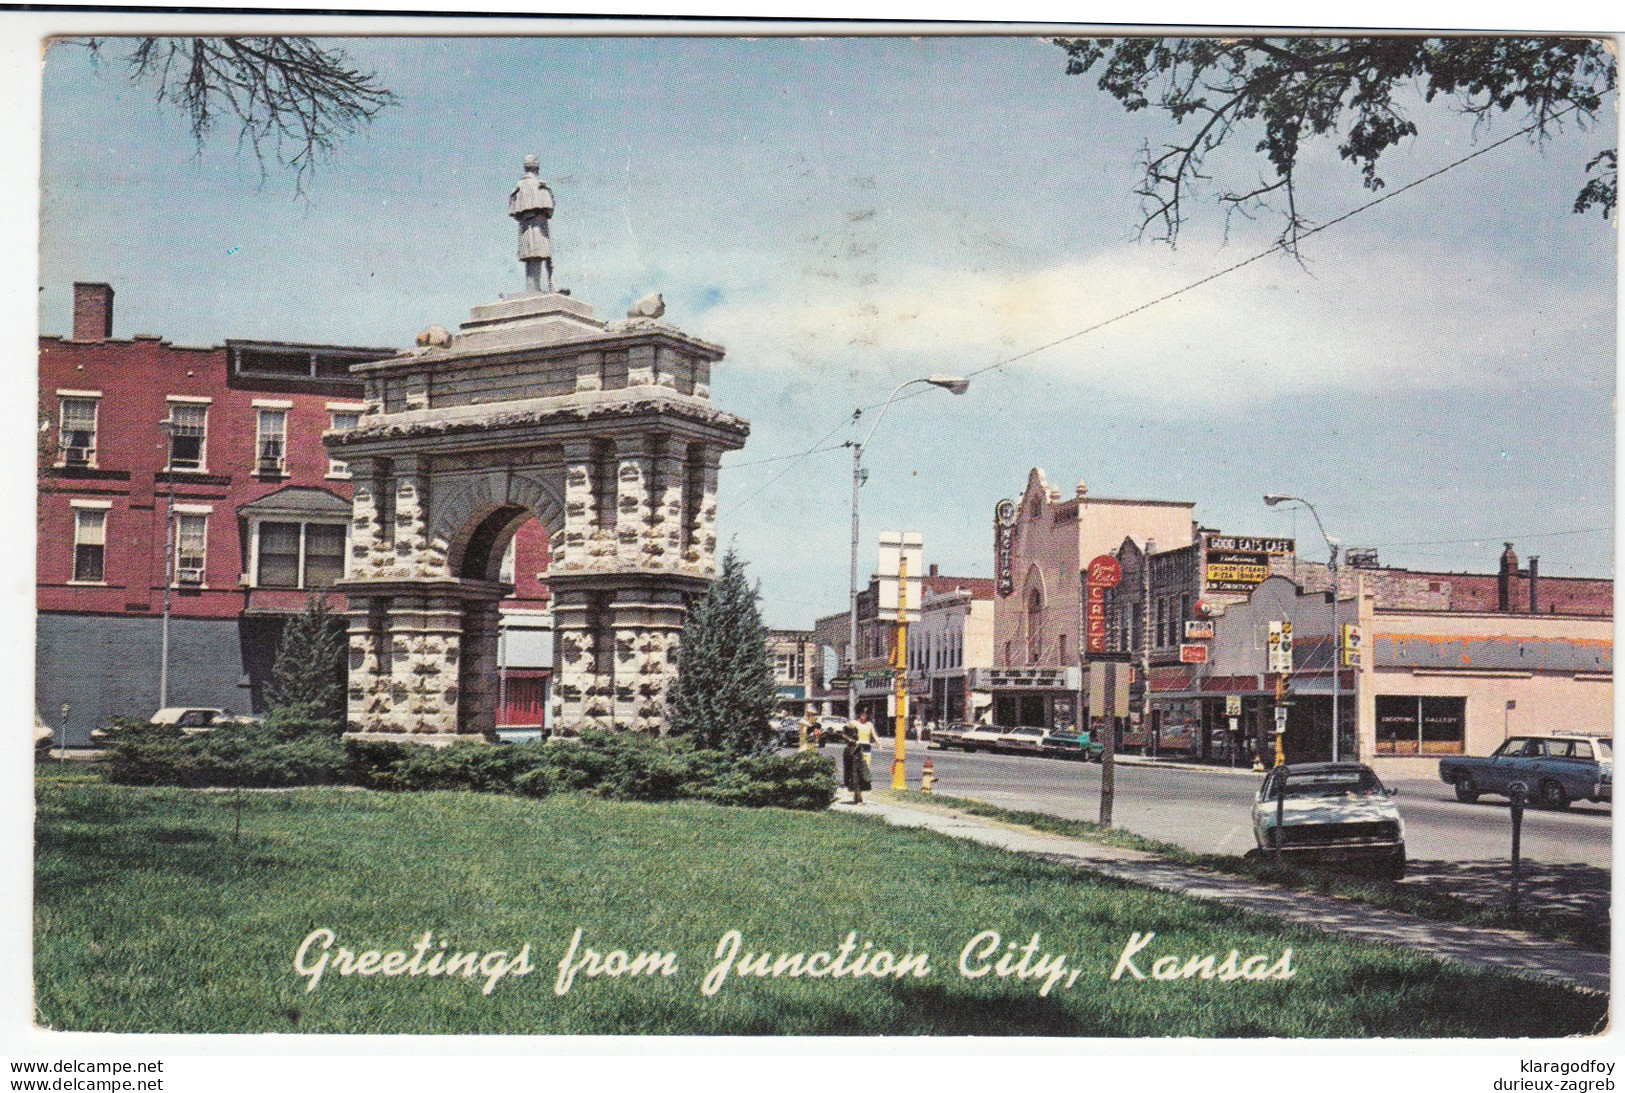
x,y
928,778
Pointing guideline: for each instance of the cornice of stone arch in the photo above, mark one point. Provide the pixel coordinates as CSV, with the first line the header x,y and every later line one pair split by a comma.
x,y
460,505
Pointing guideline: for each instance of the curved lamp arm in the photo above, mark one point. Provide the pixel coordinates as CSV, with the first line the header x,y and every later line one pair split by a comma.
x,y
955,384
1273,499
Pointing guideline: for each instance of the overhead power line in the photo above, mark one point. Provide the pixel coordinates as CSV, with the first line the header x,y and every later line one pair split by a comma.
x,y
1280,246
1498,536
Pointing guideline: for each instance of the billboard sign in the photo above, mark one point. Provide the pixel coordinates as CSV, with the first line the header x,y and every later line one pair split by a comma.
x,y
1250,544
1198,629
1236,570
1193,654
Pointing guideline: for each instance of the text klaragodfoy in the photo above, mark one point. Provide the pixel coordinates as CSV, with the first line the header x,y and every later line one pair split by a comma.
x,y
985,954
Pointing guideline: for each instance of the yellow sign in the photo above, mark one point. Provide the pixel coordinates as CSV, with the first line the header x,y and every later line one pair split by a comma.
x,y
1241,574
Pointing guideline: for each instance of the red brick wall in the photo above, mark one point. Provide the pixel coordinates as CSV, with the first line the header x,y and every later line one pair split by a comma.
x,y
135,378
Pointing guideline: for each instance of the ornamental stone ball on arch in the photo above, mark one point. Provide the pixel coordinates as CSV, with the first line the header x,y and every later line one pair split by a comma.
x,y
603,431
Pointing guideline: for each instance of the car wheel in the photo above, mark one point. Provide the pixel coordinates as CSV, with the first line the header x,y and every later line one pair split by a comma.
x,y
1552,795
1396,865
1466,788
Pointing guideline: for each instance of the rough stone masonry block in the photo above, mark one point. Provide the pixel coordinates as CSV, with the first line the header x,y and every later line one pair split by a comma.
x,y
632,503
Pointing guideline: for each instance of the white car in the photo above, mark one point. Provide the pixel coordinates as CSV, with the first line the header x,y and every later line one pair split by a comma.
x,y
1023,739
973,737
1330,812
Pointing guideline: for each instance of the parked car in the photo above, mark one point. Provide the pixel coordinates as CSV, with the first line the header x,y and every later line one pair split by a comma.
x,y
190,718
1557,769
1070,744
1021,740
1330,812
200,718
787,732
521,736
969,737
830,730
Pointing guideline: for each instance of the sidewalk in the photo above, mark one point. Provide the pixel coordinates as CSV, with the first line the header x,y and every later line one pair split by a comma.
x,y
1477,946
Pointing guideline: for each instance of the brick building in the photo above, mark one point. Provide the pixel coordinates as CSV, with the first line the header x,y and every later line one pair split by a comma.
x,y
876,691
795,668
1041,544
1449,660
215,454
953,639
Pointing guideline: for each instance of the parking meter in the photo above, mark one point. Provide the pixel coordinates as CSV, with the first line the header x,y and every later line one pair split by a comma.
x,y
1519,793
1280,810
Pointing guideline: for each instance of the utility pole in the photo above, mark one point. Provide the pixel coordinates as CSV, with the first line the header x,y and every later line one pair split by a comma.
x,y
1080,721
1145,647
1337,660
169,573
852,618
900,666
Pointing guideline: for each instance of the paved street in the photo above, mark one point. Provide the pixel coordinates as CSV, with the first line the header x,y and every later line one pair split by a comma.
x,y
1207,810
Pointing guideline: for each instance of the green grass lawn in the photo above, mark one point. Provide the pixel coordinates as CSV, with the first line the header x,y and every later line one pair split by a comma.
x,y
150,918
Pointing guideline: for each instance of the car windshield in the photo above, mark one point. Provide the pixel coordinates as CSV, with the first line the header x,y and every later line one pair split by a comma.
x,y
1334,783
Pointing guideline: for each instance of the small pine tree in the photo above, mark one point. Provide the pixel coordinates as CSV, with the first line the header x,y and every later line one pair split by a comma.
x,y
724,694
309,676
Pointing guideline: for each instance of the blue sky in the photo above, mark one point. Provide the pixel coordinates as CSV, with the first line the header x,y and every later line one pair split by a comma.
x,y
844,214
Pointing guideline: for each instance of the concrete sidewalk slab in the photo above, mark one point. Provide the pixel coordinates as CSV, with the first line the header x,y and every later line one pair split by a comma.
x,y
1475,946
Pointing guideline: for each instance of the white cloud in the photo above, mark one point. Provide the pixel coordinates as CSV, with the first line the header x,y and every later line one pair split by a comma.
x,y
1376,318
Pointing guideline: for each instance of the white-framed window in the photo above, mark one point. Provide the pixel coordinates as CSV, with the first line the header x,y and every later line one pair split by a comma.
x,y
271,442
298,554
89,545
77,436
188,436
191,546
341,421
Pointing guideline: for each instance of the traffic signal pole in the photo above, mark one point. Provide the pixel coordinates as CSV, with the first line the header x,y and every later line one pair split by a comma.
x,y
900,672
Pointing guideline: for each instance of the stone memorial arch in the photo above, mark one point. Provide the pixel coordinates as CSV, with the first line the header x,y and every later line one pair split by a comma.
x,y
603,431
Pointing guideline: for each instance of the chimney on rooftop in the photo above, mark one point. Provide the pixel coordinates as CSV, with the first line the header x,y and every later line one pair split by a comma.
x,y
1509,573
92,311
933,569
1534,581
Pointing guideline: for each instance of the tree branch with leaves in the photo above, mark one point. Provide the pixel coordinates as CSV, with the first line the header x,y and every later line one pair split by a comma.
x,y
1286,92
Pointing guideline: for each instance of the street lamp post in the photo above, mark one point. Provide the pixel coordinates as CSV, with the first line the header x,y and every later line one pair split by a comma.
x,y
955,384
1273,499
169,574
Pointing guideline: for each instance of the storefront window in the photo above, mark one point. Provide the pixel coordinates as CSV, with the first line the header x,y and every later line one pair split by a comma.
x,y
1421,725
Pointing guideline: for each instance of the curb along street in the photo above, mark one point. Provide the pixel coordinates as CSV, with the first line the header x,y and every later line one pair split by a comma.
x,y
1475,946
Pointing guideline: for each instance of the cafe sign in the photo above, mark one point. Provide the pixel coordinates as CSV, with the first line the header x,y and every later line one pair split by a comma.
x,y
1251,544
1103,573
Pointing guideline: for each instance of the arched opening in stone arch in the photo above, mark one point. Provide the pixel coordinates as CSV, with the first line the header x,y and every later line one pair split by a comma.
x,y
507,666
487,545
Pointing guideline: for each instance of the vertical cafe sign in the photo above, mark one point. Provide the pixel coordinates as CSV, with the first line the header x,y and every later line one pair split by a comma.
x,y
1103,573
1004,545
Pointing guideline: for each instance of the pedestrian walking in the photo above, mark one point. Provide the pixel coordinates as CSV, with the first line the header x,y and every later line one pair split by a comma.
x,y
854,771
807,730
866,744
